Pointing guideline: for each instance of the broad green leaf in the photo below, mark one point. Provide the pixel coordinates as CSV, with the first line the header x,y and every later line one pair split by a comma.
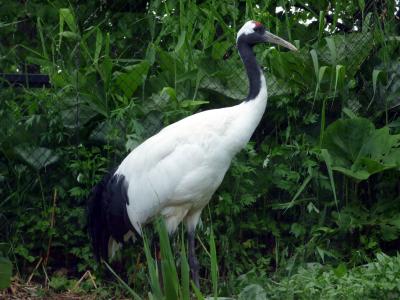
x,y
358,150
344,139
133,78
5,272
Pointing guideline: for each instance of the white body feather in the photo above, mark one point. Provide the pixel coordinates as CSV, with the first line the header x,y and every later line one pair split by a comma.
x,y
175,172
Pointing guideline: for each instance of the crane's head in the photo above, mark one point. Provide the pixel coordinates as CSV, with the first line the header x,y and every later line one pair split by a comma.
x,y
253,32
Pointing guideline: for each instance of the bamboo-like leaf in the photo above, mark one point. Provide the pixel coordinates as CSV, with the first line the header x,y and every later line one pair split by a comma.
x,y
314,57
181,41
323,120
339,77
321,73
361,4
107,46
332,50
42,41
67,16
99,42
375,77
70,35
321,25
328,162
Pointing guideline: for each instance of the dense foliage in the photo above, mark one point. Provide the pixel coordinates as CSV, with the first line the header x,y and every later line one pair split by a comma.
x,y
319,183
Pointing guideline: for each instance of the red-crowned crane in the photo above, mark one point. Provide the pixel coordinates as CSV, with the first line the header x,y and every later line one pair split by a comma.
x,y
174,173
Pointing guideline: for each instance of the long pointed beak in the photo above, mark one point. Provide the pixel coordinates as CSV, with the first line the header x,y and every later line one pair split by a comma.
x,y
271,38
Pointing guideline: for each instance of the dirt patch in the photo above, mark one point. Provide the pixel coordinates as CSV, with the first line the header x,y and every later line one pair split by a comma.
x,y
23,291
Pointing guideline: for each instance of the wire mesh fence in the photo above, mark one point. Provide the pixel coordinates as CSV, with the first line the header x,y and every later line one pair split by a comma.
x,y
166,90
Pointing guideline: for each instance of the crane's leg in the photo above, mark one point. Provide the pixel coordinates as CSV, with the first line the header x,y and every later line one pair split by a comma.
x,y
193,262
192,219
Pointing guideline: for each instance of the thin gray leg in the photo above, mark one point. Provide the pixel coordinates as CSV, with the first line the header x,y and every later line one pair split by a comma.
x,y
193,262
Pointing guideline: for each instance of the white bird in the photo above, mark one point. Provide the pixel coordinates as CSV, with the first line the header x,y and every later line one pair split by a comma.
x,y
174,173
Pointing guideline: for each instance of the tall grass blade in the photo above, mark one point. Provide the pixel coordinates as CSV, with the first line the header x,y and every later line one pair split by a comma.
x,y
170,283
214,265
299,191
125,285
197,292
185,273
170,274
151,265
42,42
99,43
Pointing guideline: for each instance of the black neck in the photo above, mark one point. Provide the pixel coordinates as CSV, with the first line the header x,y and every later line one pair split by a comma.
x,y
252,68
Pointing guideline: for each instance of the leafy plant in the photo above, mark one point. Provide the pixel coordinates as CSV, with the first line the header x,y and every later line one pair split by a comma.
x,y
359,150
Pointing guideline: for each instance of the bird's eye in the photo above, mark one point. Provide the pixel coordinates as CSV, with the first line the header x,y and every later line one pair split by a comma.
x,y
259,29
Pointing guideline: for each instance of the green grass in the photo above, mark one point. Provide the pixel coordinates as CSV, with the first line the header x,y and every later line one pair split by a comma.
x,y
377,279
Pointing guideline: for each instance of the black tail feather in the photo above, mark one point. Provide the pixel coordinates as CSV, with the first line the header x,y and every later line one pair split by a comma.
x,y
97,218
107,213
